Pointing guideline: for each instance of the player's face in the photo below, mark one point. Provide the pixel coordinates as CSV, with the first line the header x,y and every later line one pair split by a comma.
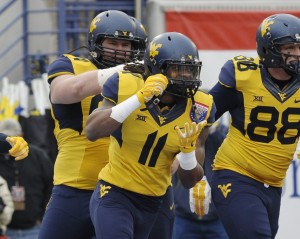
x,y
291,52
167,98
114,48
180,72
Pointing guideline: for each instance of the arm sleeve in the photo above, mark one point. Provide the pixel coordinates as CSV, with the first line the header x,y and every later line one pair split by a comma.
x,y
211,118
224,92
111,88
227,75
61,66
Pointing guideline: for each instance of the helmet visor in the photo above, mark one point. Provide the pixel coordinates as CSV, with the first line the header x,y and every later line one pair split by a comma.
x,y
184,78
182,71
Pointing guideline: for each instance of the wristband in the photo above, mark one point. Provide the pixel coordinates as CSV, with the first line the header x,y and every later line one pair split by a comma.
x,y
187,161
121,111
104,74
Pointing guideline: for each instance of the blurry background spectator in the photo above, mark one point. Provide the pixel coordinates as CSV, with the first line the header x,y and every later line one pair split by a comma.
x,y
30,183
6,207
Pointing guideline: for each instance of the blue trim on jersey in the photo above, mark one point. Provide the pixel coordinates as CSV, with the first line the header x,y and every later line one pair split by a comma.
x,y
211,119
219,93
234,104
117,134
111,88
110,91
69,116
62,64
227,74
170,114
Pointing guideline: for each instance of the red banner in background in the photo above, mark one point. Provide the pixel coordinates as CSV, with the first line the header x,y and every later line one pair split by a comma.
x,y
215,30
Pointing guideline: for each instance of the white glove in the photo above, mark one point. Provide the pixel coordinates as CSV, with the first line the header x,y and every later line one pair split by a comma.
x,y
104,74
200,197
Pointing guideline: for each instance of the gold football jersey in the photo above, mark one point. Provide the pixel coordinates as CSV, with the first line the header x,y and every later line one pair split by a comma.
x,y
262,146
143,148
78,161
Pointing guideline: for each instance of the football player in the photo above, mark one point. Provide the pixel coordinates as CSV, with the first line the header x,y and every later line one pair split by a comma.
x,y
142,35
151,118
262,96
163,226
16,146
75,87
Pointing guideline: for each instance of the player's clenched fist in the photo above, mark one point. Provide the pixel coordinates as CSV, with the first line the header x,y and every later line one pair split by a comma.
x,y
189,135
19,148
200,197
154,86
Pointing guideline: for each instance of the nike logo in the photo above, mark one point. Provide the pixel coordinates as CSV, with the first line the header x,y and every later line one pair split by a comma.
x,y
297,101
171,207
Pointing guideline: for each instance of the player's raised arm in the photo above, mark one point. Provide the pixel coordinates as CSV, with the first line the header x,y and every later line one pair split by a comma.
x,y
107,118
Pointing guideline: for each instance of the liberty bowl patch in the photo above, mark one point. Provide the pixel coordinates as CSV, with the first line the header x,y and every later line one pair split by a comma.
x,y
199,113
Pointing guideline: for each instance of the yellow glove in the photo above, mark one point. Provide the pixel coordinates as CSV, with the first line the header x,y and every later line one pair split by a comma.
x,y
154,86
188,138
200,197
19,148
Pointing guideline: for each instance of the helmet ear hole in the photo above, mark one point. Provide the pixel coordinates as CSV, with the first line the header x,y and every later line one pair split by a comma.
x,y
264,50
